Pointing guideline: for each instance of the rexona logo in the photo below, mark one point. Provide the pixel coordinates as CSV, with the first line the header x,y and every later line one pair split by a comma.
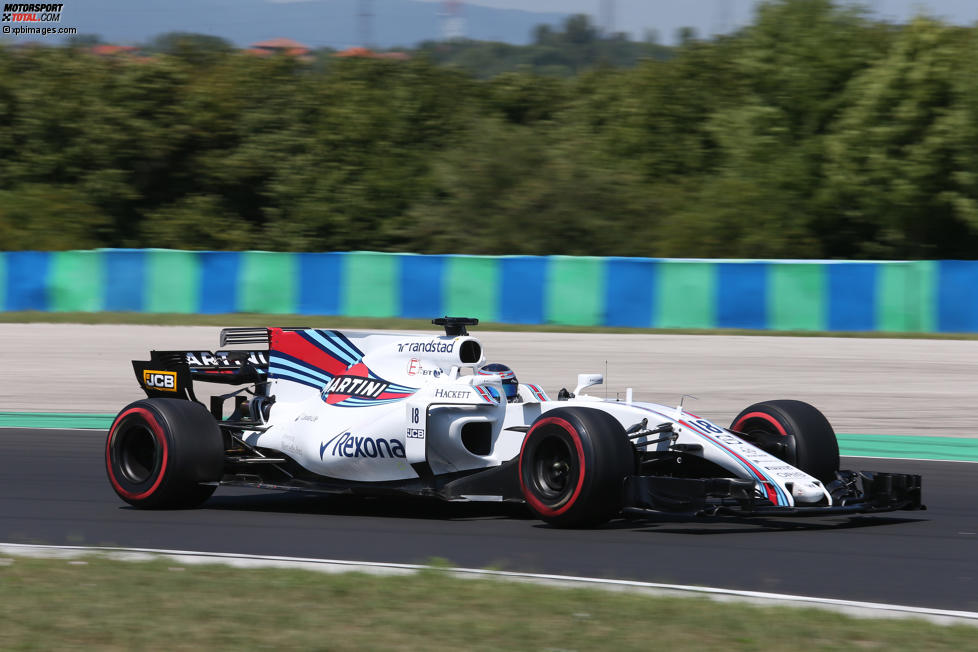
x,y
347,445
344,387
164,381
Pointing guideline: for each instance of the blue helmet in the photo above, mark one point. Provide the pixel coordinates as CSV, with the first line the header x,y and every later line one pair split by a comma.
x,y
510,384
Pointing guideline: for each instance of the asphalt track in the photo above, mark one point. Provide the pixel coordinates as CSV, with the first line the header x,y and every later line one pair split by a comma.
x,y
875,386
53,490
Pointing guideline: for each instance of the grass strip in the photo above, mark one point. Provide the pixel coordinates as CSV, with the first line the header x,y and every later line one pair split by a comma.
x,y
112,605
394,323
961,449
68,421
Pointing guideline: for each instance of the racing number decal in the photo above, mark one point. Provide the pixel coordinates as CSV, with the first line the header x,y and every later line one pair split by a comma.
x,y
707,426
417,431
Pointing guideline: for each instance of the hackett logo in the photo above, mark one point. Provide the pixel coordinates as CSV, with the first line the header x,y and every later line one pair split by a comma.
x,y
451,393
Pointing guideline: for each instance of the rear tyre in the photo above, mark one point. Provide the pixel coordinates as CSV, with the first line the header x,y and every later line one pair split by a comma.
x,y
808,440
573,465
160,450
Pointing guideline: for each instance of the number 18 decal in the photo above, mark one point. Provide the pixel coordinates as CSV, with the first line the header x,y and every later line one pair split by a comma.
x,y
707,426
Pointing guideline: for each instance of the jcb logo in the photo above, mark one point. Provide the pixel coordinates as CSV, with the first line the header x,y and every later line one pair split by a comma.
x,y
164,381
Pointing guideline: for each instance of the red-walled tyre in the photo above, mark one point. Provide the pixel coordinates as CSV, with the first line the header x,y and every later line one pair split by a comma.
x,y
810,441
573,466
160,450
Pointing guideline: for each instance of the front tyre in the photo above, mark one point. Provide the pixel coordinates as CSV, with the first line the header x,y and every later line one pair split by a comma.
x,y
803,435
160,450
573,465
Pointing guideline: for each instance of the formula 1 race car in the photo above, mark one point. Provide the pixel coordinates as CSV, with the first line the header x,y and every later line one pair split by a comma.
x,y
386,413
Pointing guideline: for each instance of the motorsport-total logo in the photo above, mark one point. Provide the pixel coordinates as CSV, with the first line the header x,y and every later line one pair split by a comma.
x,y
32,12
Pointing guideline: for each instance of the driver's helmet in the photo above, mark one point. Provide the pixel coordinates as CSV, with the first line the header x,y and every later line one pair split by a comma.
x,y
510,384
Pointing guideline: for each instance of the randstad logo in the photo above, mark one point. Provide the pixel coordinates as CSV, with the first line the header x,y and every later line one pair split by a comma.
x,y
346,445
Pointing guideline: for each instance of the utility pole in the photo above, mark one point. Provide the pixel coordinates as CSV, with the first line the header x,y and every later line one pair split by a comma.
x,y
452,21
365,23
607,17
722,17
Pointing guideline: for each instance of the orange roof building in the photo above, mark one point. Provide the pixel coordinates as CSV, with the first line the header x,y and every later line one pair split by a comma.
x,y
365,53
356,51
279,46
111,50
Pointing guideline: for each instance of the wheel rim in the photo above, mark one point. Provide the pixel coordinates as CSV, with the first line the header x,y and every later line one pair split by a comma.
x,y
551,469
760,430
138,453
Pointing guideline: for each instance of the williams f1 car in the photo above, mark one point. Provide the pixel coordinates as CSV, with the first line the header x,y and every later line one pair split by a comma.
x,y
383,413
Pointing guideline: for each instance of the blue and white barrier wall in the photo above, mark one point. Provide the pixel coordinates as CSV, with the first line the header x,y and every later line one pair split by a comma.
x,y
892,296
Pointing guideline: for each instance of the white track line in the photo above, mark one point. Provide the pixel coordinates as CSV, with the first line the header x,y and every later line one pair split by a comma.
x,y
848,607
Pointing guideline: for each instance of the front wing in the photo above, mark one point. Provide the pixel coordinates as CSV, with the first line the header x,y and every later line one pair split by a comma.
x,y
852,492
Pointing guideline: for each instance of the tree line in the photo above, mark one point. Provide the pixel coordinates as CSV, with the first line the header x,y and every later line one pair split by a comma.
x,y
814,132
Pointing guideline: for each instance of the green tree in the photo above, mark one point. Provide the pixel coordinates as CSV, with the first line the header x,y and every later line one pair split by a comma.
x,y
515,189
764,138
195,49
901,164
44,217
196,222
813,132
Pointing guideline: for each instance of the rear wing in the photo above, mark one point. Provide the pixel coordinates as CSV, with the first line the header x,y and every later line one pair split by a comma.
x,y
171,374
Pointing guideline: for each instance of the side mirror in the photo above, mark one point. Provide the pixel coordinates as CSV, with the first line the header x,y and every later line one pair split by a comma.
x,y
587,380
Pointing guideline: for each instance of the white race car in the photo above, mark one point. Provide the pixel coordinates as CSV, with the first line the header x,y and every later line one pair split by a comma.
x,y
382,412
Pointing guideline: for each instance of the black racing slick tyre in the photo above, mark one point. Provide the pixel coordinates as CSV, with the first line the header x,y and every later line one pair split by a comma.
x,y
806,437
572,467
160,450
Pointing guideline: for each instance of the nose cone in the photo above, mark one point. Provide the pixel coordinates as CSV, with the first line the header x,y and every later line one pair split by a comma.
x,y
807,492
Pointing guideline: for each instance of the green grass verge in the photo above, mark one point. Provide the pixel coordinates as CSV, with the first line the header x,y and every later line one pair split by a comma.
x,y
112,605
67,421
368,323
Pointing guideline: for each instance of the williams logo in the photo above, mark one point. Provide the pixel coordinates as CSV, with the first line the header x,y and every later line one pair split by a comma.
x,y
162,381
346,445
